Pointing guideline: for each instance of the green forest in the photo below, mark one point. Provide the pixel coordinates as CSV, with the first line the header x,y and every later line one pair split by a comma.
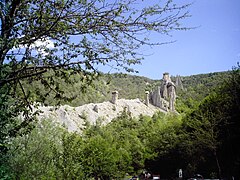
x,y
202,138
52,53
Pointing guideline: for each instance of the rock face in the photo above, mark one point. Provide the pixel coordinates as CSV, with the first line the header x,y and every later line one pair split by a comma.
x,y
179,83
164,96
73,117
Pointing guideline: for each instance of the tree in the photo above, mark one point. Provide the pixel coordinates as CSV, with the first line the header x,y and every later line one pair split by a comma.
x,y
77,35
35,155
68,157
161,139
104,154
212,130
101,158
69,36
200,142
105,31
125,130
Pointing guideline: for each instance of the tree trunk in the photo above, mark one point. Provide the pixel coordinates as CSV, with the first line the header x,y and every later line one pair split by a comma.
x,y
218,165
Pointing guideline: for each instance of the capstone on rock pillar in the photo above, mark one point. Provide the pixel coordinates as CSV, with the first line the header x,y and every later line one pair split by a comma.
x,y
114,97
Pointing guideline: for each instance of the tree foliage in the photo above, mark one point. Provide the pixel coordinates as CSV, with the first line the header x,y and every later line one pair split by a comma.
x,y
77,35
104,152
197,87
32,155
212,129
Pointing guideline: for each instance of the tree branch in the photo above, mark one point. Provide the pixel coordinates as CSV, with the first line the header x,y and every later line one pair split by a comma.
x,y
5,81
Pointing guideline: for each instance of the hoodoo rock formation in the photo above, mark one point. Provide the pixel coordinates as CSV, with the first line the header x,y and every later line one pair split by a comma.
x,y
161,99
164,96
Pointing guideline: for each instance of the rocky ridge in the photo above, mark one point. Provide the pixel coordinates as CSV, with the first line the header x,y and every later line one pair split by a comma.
x,y
73,117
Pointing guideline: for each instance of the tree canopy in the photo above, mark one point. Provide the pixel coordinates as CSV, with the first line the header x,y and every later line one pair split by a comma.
x,y
78,35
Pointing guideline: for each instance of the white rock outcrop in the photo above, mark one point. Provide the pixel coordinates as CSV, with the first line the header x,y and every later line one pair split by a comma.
x,y
73,117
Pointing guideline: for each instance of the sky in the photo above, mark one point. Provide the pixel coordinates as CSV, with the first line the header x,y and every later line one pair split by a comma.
x,y
213,46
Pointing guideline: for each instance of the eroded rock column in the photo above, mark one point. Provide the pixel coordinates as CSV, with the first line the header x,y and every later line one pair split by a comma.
x,y
147,98
114,97
172,96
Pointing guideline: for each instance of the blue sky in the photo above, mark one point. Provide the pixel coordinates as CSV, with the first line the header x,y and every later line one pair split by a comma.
x,y
212,47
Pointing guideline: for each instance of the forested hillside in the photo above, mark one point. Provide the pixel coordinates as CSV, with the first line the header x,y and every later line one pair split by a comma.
x,y
196,87
201,85
77,93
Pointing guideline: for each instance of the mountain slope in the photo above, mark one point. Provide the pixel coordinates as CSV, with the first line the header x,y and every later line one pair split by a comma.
x,y
196,87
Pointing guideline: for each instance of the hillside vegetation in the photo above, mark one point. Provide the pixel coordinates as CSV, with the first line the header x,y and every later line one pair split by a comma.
x,y
204,134
196,87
